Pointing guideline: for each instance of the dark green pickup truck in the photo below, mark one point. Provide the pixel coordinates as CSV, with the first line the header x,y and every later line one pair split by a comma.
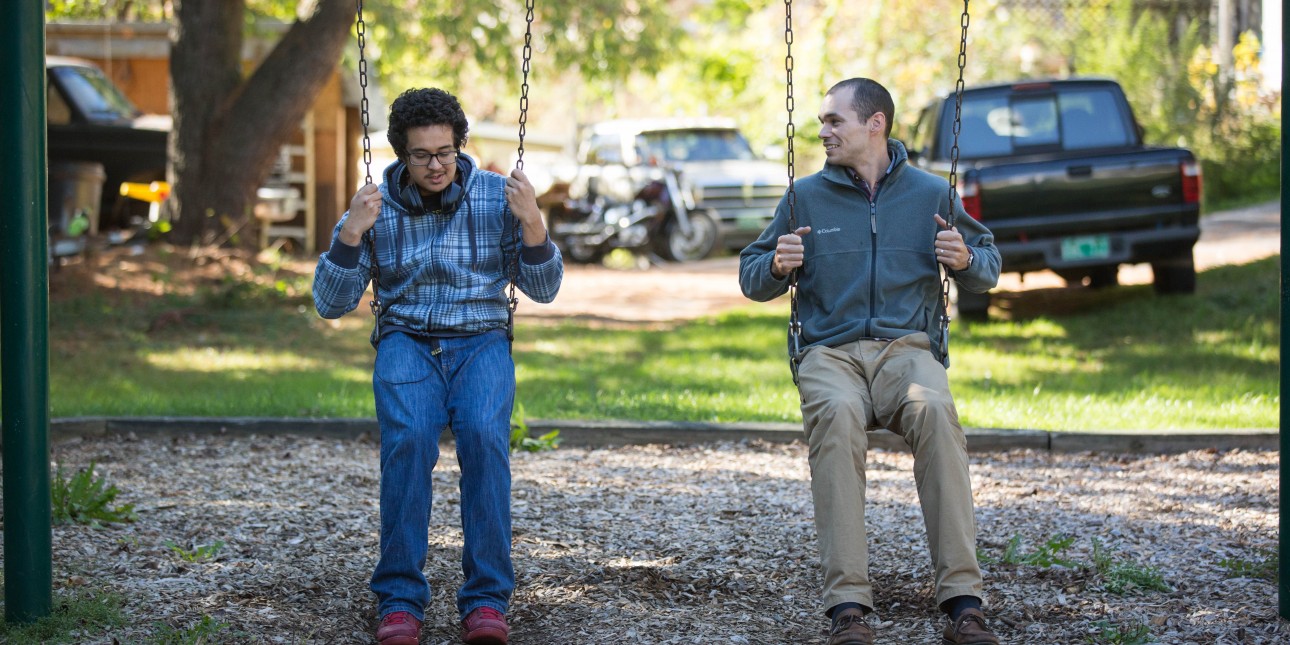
x,y
90,120
1057,170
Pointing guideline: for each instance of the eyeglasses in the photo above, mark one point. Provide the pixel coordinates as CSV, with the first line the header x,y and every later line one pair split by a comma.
x,y
420,158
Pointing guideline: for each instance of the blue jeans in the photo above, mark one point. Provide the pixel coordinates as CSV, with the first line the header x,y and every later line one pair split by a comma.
x,y
468,384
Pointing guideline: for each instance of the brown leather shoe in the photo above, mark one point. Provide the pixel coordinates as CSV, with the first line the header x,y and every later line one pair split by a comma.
x,y
849,628
969,629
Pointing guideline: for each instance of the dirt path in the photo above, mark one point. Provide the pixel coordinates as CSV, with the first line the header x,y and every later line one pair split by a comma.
x,y
687,291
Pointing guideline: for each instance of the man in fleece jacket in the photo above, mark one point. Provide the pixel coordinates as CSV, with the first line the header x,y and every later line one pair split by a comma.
x,y
871,237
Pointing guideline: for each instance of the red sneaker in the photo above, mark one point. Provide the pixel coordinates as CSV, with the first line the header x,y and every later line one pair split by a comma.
x,y
399,628
485,626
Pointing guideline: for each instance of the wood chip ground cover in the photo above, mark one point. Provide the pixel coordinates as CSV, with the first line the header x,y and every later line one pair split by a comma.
x,y
667,545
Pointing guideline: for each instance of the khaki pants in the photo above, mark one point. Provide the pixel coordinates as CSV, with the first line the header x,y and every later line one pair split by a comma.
x,y
860,386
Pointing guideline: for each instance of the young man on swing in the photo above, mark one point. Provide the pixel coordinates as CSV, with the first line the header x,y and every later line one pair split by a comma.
x,y
871,237
438,240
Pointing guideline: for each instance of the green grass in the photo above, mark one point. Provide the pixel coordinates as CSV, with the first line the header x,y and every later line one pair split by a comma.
x,y
76,616
1120,358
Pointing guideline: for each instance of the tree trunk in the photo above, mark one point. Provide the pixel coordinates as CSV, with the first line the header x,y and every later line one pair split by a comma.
x,y
227,130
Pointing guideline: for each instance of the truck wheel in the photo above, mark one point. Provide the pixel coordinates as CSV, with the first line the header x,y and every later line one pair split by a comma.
x,y
699,244
1174,276
973,306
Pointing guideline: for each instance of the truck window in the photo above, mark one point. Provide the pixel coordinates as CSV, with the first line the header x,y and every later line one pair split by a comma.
x,y
1091,119
90,89
1034,122
56,110
1076,119
921,138
984,131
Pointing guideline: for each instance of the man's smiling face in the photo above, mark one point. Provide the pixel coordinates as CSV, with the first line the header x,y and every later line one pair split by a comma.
x,y
846,136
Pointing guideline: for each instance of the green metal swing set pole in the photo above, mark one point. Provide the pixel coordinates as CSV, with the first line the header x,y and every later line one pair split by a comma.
x,y
1283,550
24,316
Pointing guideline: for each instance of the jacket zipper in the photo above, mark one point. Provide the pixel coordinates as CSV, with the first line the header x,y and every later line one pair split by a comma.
x,y
873,262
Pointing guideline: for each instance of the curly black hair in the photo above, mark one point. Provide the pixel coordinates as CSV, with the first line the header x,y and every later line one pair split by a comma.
x,y
421,107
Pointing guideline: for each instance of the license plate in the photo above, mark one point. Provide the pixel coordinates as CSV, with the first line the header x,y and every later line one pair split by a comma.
x,y
1086,247
750,224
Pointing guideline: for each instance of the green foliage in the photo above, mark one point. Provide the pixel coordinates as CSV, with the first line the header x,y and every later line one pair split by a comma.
x,y
1047,555
206,631
1121,577
199,552
1109,634
77,616
1237,129
520,439
1265,567
86,499
137,10
1118,576
602,41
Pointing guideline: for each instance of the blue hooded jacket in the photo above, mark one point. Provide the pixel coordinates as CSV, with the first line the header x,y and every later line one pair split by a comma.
x,y
442,272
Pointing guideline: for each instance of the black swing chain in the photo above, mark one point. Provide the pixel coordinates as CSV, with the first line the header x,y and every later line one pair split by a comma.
x,y
511,301
364,110
954,166
794,322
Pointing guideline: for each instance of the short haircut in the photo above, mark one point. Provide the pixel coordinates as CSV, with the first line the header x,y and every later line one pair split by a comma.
x,y
868,98
421,107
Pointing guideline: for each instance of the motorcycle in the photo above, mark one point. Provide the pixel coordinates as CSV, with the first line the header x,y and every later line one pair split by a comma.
x,y
660,220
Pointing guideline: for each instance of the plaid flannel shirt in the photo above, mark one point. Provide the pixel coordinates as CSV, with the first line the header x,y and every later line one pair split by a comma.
x,y
439,273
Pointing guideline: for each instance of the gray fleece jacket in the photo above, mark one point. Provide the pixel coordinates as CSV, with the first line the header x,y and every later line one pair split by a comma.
x,y
870,269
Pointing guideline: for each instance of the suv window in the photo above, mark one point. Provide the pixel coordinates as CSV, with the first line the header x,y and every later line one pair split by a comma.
x,y
604,149
694,145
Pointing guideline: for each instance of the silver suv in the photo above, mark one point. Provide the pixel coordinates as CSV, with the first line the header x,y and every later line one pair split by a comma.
x,y
724,183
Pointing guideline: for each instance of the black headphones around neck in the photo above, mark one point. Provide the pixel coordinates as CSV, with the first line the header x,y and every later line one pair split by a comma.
x,y
449,199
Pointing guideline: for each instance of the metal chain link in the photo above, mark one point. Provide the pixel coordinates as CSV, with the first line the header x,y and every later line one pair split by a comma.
x,y
363,106
958,111
954,168
364,110
524,87
794,321
512,303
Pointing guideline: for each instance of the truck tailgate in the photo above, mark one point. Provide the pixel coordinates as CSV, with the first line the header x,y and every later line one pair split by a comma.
x,y
1062,196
